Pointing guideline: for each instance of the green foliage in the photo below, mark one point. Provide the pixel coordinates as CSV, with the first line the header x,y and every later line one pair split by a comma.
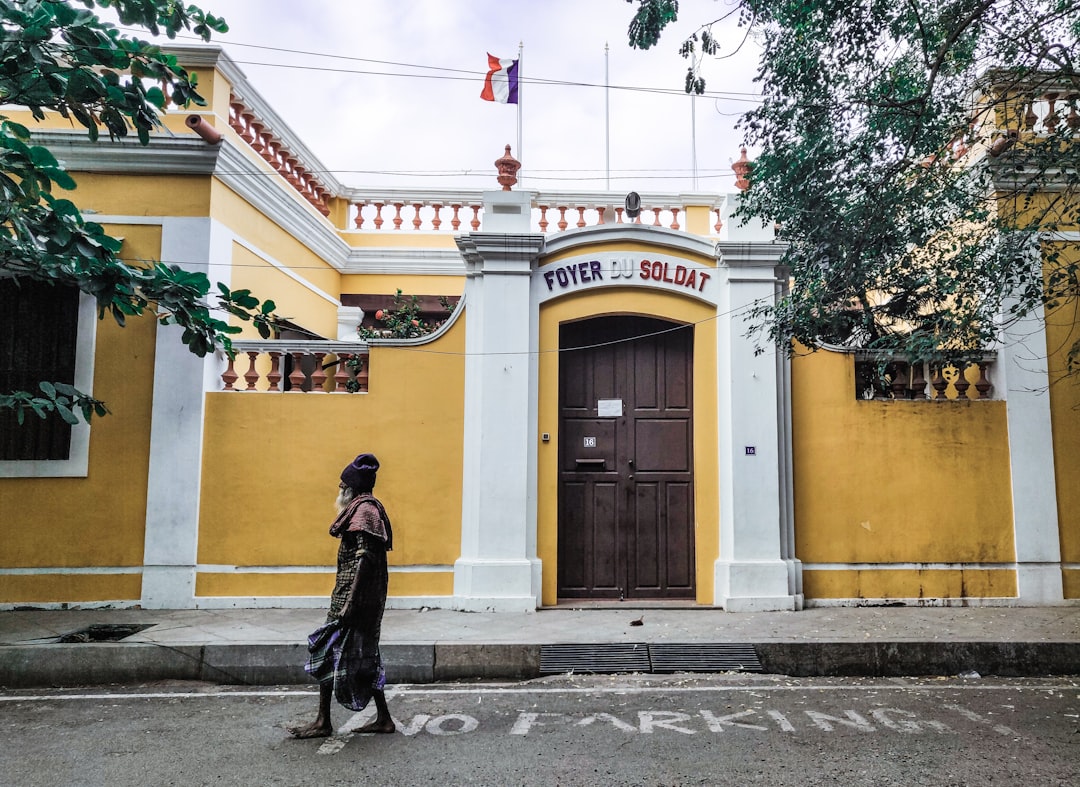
x,y
59,56
402,320
59,398
909,228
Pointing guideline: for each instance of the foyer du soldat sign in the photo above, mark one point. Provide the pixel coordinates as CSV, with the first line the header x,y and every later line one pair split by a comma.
x,y
615,269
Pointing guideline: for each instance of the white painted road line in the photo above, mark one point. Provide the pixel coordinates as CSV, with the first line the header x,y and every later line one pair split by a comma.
x,y
423,689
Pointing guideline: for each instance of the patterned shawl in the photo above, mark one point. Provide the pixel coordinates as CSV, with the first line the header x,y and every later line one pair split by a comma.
x,y
365,513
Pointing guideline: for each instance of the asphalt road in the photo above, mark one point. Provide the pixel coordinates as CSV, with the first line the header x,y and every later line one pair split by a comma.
x,y
568,730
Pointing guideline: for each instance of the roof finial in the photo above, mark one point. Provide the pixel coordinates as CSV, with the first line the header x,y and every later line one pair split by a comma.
x,y
507,167
742,169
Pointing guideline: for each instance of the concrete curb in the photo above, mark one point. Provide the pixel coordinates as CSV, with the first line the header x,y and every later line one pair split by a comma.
x,y
32,666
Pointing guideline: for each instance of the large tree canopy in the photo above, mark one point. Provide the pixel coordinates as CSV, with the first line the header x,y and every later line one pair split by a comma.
x,y
58,56
912,153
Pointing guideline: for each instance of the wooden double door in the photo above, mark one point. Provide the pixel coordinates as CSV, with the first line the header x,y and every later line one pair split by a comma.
x,y
626,486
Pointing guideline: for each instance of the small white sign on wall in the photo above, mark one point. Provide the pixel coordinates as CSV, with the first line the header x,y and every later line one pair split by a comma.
x,y
609,408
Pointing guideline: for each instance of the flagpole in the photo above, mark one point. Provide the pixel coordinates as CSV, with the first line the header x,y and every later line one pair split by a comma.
x,y
607,120
520,157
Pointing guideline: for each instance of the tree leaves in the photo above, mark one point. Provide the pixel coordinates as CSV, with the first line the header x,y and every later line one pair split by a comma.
x,y
903,234
57,55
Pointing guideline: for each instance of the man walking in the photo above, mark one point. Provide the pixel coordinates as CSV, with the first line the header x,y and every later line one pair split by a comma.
x,y
344,652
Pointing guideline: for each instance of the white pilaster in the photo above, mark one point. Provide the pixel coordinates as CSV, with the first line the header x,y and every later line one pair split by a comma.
x,y
756,570
1022,371
176,433
498,568
348,320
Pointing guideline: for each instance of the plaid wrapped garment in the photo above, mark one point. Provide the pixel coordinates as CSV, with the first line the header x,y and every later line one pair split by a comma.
x,y
345,651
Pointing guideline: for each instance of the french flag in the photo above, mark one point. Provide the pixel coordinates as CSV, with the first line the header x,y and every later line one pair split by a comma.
x,y
501,82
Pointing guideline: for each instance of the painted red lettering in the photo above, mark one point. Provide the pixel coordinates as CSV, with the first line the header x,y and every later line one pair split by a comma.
x,y
691,280
680,274
657,271
665,278
704,278
645,269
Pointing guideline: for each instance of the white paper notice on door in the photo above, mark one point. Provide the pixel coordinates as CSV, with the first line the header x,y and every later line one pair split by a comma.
x,y
609,408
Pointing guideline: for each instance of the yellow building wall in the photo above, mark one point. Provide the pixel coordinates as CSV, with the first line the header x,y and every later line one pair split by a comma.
x,y
1062,331
96,521
141,195
706,500
904,482
254,267
271,465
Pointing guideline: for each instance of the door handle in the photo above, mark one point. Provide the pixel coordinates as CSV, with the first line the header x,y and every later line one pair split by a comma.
x,y
631,463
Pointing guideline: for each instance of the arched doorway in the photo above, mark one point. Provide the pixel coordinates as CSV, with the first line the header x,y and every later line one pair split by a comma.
x,y
626,480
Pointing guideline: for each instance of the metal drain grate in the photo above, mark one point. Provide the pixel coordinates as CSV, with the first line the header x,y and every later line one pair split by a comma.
x,y
640,657
607,658
104,632
704,657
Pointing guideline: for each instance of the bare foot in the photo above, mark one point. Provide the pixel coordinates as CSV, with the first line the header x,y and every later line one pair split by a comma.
x,y
313,730
379,725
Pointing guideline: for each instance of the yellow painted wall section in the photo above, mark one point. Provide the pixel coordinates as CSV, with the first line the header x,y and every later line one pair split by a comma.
x,y
141,195
387,284
706,501
272,461
262,584
889,482
97,521
899,583
1062,330
69,588
389,238
295,302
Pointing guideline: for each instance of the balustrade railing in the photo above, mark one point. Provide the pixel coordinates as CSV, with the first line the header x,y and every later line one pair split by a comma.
x,y
389,211
275,152
882,377
277,366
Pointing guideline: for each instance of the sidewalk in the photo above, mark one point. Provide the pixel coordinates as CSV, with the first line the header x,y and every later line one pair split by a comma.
x,y
268,646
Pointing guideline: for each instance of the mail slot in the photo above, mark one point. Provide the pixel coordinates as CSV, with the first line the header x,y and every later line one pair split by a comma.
x,y
589,464
588,445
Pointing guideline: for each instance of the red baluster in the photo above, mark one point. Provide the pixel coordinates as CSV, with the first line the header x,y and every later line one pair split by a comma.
x,y
436,222
297,378
252,374
656,216
562,218
961,384
274,376
378,215
455,222
475,223
543,218
417,221
397,214
982,385
581,217
719,224
318,375
229,376
341,375
674,218
359,221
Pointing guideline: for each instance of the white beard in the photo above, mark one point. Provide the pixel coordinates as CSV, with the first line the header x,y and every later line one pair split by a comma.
x,y
344,497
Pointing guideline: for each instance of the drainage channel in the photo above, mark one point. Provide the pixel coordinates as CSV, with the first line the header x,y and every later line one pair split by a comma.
x,y
103,632
644,657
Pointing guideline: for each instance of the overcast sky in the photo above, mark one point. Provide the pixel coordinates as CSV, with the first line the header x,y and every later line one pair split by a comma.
x,y
387,92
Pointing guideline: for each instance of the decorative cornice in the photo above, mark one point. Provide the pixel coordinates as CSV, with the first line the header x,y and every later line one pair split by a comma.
x,y
163,156
284,206
196,56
